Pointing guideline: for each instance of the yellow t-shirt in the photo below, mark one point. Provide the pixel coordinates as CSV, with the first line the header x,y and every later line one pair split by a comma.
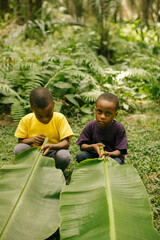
x,y
56,130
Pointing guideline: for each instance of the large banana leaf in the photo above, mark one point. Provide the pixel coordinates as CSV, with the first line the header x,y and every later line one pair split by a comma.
x,y
29,197
107,201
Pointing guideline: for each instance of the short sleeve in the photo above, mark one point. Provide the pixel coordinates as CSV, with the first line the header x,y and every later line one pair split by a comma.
x,y
85,136
65,129
121,141
22,130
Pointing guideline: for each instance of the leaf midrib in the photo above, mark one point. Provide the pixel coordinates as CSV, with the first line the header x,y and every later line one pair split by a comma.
x,y
21,194
110,203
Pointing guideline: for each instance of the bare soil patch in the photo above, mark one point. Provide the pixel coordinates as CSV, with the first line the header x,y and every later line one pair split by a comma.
x,y
6,119
134,117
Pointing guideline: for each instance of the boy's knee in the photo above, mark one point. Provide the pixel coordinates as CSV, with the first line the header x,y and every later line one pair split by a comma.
x,y
81,156
118,160
62,159
20,147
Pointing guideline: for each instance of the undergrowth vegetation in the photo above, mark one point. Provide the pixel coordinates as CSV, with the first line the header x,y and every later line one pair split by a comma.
x,y
67,62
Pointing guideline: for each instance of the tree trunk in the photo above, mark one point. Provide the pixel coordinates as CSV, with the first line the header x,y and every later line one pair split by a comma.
x,y
31,9
18,12
35,8
4,7
158,10
145,10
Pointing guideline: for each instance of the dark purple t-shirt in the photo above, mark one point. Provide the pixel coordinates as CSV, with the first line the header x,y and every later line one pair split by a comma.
x,y
114,137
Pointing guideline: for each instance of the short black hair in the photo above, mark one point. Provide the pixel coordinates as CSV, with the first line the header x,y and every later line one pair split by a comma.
x,y
109,97
40,97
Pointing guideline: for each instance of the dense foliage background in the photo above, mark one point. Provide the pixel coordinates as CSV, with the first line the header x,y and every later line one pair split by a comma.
x,y
79,49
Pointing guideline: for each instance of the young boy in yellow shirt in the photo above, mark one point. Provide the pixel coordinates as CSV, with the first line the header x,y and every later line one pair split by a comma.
x,y
44,122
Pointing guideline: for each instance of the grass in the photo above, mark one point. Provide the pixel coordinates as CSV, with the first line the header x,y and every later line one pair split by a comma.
x,y
7,143
143,150
144,154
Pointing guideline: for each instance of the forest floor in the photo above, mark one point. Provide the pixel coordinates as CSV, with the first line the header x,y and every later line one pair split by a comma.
x,y
5,119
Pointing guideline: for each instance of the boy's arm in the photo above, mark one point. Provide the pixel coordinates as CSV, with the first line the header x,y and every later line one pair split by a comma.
x,y
37,140
89,147
115,153
64,144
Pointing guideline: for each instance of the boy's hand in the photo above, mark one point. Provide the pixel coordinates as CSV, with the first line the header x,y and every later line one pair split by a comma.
x,y
106,154
39,139
96,147
115,153
46,148
63,144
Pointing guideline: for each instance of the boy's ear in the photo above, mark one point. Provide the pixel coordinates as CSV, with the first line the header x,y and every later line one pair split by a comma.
x,y
31,108
115,115
53,104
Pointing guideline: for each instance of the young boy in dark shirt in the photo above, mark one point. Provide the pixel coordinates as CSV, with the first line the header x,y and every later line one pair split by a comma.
x,y
104,131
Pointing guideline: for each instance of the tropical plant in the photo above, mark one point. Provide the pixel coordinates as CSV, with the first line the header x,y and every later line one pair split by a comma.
x,y
74,78
105,200
137,56
62,70
76,8
73,71
104,11
29,198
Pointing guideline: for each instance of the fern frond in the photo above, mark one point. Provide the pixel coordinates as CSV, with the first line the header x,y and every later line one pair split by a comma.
x,y
16,31
7,91
52,79
94,66
90,96
75,72
70,71
89,83
109,71
17,111
132,72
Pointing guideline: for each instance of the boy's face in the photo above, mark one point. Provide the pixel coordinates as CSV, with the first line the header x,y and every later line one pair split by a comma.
x,y
105,112
44,115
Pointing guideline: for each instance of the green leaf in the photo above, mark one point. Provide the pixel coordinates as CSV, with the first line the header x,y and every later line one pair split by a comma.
x,y
7,91
58,106
29,197
126,106
86,110
105,200
17,110
70,97
7,100
91,96
63,85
